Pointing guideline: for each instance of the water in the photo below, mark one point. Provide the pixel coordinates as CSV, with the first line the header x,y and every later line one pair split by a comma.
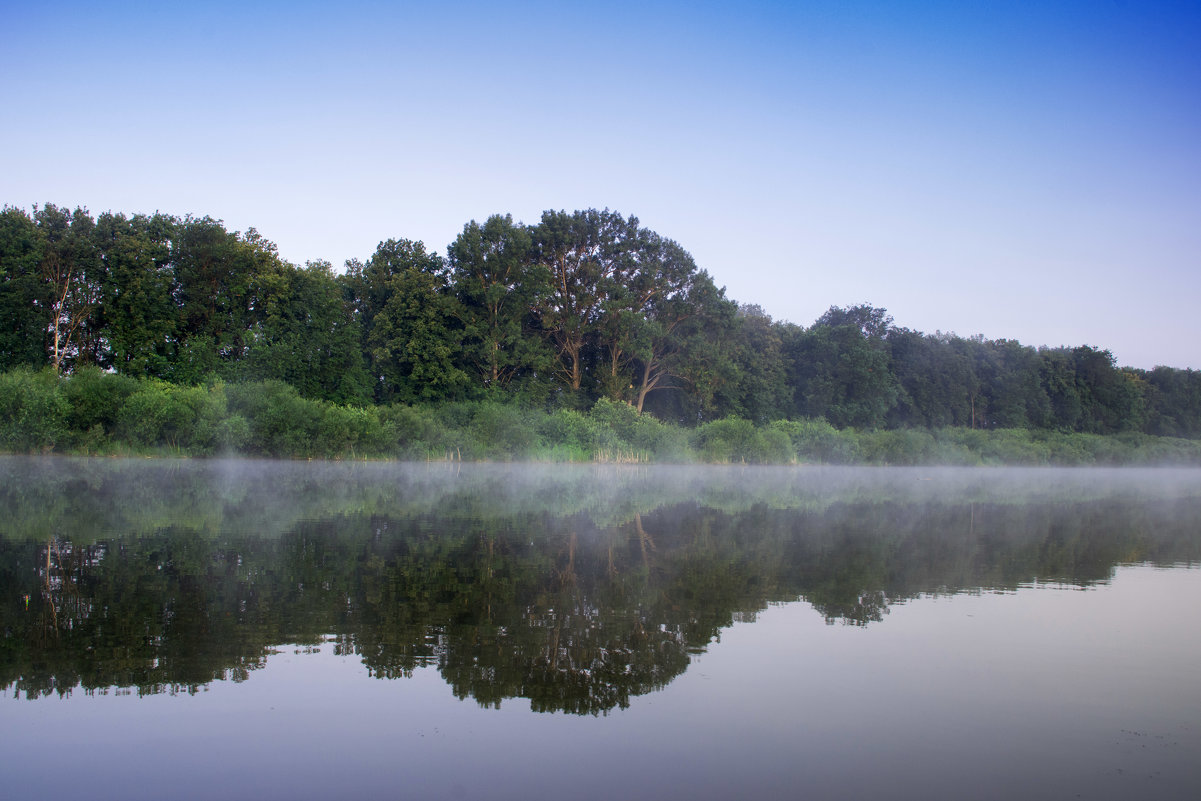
x,y
295,630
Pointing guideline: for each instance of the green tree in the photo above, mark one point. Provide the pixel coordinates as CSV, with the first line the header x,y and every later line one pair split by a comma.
x,y
72,271
498,285
1111,399
1173,402
589,255
403,301
308,337
754,384
652,328
25,299
137,313
221,279
936,382
841,368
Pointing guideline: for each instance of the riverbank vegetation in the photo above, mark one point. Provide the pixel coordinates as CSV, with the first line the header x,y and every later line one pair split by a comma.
x,y
583,337
97,413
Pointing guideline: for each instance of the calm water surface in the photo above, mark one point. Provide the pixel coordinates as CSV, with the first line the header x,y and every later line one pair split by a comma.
x,y
290,630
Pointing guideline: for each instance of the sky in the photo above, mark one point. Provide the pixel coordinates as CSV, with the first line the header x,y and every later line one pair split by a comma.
x,y
1019,170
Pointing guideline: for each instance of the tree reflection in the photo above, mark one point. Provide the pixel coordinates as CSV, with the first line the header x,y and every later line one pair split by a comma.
x,y
577,611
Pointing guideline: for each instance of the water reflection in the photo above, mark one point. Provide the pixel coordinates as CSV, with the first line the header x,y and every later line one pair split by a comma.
x,y
575,588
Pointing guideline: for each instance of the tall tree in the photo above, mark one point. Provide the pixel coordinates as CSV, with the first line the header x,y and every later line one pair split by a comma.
x,y
1174,402
25,299
138,312
498,285
659,301
71,268
589,257
409,328
220,280
753,382
1111,399
841,367
308,337
935,380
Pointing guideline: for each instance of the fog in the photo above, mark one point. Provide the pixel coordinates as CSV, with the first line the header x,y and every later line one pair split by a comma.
x,y
119,496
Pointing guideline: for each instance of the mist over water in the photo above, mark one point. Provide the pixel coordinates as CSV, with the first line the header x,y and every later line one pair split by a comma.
x,y
776,617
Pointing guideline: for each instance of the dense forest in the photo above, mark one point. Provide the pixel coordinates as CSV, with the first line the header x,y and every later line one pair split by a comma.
x,y
552,318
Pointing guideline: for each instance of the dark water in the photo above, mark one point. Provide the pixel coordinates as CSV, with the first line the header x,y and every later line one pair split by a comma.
x,y
295,630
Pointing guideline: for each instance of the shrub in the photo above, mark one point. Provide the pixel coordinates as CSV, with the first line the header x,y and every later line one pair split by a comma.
x,y
502,431
407,431
33,410
775,446
897,447
620,418
569,429
96,398
281,422
730,439
817,440
1013,446
179,417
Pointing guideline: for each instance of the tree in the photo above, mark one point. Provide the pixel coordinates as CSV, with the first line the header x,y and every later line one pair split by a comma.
x,y
662,306
841,368
220,281
25,299
936,382
308,337
71,270
753,382
1173,402
871,322
1014,395
1057,376
588,255
137,313
498,286
409,328
1111,399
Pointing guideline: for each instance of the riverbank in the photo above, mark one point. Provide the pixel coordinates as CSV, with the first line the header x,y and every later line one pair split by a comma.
x,y
102,414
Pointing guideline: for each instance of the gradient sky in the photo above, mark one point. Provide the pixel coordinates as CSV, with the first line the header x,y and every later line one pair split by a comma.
x,y
1021,170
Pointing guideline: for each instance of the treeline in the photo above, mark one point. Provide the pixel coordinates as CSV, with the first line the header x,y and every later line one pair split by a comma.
x,y
579,307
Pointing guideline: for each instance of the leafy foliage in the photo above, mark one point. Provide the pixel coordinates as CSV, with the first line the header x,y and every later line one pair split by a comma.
x,y
581,307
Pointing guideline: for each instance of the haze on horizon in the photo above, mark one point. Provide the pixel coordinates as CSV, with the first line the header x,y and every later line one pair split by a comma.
x,y
1025,171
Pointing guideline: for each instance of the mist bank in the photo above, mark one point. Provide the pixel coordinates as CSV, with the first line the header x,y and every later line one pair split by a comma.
x,y
92,412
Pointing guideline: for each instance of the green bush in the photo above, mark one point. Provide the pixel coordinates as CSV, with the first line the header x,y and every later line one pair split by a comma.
x,y
730,439
775,446
502,431
333,433
668,443
409,432
94,411
281,422
33,410
569,429
1015,446
620,418
96,398
898,447
182,418
816,440
1063,448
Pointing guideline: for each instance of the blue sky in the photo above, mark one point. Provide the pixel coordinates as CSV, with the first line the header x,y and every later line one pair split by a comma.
x,y
1029,171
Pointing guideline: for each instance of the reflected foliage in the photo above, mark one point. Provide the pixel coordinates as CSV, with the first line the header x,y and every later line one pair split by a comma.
x,y
576,589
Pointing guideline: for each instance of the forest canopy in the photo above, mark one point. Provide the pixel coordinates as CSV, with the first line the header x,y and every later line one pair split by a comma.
x,y
555,315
